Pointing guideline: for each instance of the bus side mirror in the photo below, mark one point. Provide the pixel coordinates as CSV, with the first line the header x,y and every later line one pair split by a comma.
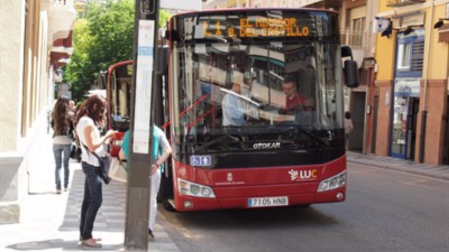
x,y
351,70
162,60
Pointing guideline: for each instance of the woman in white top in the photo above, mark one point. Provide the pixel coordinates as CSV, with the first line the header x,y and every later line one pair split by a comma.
x,y
89,117
62,140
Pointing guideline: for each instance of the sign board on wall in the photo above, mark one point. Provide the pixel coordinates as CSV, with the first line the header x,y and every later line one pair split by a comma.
x,y
407,87
400,22
186,5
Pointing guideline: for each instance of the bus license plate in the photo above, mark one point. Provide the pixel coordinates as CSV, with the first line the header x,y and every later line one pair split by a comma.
x,y
265,202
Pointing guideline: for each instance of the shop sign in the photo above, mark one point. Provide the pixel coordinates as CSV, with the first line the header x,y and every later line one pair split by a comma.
x,y
407,86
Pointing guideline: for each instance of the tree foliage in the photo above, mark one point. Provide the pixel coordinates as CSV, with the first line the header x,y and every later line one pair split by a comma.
x,y
102,37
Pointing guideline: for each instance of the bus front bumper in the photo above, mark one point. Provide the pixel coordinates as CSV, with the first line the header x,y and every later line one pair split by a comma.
x,y
185,203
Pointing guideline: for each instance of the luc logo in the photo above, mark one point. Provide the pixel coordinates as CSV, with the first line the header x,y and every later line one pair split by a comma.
x,y
307,174
303,174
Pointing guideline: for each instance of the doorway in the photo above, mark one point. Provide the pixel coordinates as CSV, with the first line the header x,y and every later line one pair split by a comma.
x,y
412,121
358,120
446,138
405,120
375,108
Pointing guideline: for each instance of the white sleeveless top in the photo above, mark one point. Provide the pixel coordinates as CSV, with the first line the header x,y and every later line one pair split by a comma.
x,y
86,155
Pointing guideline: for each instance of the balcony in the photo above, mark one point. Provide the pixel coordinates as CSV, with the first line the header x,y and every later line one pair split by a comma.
x,y
401,3
63,45
62,15
335,4
355,40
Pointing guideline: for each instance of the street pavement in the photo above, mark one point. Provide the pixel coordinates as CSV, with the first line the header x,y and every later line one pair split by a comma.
x,y
50,222
433,171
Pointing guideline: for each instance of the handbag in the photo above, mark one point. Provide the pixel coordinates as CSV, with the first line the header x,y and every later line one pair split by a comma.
x,y
75,153
118,170
105,165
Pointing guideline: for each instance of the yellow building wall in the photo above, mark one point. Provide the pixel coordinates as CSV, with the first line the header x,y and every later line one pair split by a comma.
x,y
435,70
385,56
439,52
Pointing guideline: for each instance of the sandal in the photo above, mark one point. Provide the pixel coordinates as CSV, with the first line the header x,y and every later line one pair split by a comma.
x,y
95,239
91,243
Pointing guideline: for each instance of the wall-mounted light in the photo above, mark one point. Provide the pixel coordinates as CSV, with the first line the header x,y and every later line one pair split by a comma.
x,y
440,23
410,29
387,32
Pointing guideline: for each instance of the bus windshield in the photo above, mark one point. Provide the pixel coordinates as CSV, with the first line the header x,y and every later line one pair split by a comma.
x,y
257,79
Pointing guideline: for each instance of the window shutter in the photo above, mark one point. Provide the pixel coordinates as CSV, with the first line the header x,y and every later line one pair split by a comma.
x,y
417,59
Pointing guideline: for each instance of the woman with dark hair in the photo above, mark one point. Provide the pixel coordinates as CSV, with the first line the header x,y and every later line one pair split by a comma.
x,y
62,141
89,117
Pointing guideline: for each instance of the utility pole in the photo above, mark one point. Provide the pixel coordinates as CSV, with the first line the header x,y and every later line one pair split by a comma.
x,y
141,125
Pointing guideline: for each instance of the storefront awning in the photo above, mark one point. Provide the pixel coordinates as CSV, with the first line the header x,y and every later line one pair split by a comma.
x,y
443,32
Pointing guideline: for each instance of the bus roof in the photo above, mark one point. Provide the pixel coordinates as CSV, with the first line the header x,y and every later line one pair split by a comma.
x,y
121,63
251,9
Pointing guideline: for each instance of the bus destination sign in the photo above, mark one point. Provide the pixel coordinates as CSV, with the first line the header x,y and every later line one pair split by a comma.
x,y
257,27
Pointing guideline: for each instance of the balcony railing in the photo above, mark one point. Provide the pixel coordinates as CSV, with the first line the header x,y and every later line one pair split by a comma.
x,y
355,39
400,3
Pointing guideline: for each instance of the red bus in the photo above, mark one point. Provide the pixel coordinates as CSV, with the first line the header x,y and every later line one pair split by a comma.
x,y
275,157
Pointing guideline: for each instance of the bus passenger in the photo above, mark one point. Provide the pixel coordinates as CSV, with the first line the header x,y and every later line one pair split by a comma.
x,y
161,152
294,101
233,107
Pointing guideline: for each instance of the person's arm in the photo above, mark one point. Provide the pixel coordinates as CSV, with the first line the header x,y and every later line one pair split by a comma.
x,y
92,140
165,146
124,151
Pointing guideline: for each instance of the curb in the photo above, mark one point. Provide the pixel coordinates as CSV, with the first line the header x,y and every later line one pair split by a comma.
x,y
407,170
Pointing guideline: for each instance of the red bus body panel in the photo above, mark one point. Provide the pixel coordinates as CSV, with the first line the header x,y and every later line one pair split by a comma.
x,y
258,182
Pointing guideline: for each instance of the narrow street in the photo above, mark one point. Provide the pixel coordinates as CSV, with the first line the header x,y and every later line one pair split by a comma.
x,y
385,211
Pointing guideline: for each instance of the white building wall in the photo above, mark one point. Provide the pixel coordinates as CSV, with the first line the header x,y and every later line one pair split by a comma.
x,y
11,72
24,96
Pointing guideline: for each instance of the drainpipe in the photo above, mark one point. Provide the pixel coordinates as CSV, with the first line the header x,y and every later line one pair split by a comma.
x,y
422,135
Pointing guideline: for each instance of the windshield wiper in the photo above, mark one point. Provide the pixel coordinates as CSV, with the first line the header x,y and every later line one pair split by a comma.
x,y
312,135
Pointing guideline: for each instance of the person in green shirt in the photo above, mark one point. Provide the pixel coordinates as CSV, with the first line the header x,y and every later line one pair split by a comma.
x,y
161,152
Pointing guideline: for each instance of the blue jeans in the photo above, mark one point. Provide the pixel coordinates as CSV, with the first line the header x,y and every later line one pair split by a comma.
x,y
58,149
93,197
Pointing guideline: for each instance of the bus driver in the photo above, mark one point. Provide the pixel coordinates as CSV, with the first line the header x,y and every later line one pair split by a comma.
x,y
294,101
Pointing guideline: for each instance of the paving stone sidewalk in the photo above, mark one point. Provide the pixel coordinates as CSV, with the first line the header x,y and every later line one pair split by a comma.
x,y
50,222
434,171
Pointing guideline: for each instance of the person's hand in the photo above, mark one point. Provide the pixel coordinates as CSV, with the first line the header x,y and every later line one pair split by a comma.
x,y
154,168
111,134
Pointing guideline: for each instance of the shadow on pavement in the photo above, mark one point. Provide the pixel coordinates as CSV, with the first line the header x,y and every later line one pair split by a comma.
x,y
43,245
287,217
110,217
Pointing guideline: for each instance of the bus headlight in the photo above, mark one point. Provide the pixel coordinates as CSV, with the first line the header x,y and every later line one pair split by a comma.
x,y
334,182
196,190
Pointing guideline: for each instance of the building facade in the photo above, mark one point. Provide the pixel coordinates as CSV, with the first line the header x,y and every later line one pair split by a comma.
x,y
35,40
411,86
